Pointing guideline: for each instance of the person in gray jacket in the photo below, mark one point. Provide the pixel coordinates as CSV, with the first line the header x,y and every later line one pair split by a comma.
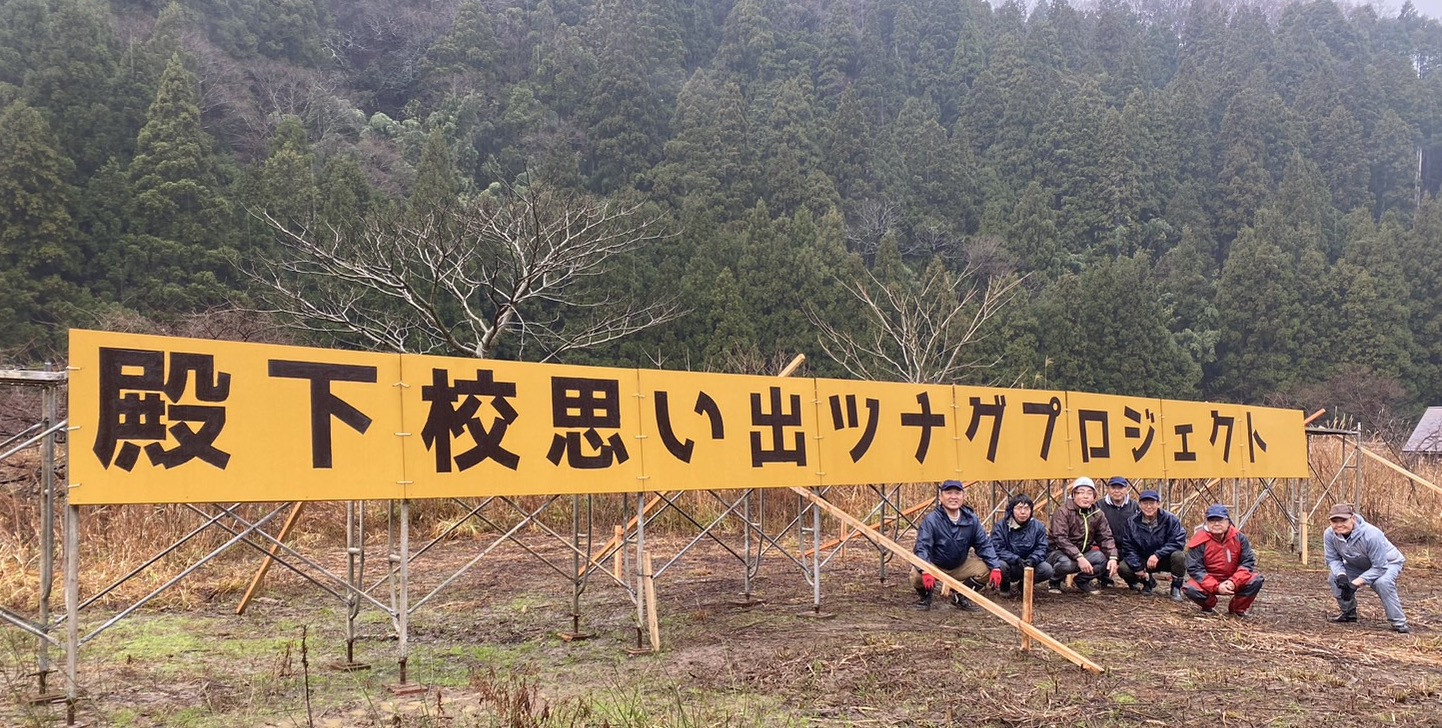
x,y
1358,555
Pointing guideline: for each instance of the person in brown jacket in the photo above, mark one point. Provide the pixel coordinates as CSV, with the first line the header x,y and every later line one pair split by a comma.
x,y
1081,540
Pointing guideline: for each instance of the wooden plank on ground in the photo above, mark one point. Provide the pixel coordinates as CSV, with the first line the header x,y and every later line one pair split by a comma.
x,y
942,577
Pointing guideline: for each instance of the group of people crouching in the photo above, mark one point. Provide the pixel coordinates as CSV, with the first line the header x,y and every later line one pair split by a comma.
x,y
1116,538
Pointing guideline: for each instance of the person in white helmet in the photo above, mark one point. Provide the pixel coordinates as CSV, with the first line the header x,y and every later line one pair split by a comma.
x,y
1081,540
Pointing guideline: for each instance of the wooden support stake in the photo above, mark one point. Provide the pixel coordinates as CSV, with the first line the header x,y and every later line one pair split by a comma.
x,y
942,577
616,541
653,622
1314,417
618,558
1306,536
1028,591
265,563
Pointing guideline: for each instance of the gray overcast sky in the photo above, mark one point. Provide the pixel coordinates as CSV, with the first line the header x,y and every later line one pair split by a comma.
x,y
1430,8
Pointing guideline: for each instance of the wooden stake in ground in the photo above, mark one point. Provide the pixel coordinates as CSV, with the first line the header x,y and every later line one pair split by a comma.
x,y
616,559
1028,590
290,522
653,622
942,577
1306,535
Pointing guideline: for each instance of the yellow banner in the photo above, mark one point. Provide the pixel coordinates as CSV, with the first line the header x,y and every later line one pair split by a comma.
x,y
705,431
490,427
884,432
1109,435
1012,434
165,420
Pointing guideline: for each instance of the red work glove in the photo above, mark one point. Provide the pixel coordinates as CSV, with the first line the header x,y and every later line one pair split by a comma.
x,y
928,581
996,578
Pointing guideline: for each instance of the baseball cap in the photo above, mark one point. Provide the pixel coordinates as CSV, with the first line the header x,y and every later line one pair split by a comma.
x,y
1217,510
1150,495
1342,510
952,485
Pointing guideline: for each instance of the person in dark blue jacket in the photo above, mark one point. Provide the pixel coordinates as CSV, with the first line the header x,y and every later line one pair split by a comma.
x,y
1155,541
945,540
1020,541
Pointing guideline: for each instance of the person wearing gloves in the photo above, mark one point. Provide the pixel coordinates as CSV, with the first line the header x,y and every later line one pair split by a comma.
x,y
1020,541
1155,542
945,538
1358,555
1221,562
1081,540
1119,508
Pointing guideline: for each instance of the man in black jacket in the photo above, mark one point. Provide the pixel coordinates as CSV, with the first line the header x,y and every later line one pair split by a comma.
x,y
1155,541
1119,508
1020,541
945,539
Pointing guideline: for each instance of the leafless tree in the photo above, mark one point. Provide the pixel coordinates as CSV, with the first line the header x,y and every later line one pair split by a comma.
x,y
918,330
523,267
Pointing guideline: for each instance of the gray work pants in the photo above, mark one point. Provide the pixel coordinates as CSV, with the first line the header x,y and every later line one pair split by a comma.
x,y
1386,588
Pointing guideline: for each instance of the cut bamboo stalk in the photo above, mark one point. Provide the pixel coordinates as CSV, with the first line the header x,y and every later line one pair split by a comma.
x,y
265,563
942,577
1028,590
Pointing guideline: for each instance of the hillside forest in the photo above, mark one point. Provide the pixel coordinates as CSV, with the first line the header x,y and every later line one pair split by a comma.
x,y
1185,199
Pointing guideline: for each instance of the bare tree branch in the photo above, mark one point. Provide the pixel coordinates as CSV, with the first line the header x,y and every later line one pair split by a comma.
x,y
524,269
918,331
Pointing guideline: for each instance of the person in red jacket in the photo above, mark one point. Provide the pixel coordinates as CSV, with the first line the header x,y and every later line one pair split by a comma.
x,y
1221,562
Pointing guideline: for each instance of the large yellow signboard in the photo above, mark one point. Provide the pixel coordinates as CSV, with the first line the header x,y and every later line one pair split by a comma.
x,y
164,420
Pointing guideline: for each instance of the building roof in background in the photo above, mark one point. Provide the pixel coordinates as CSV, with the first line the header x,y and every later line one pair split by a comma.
x,y
1427,436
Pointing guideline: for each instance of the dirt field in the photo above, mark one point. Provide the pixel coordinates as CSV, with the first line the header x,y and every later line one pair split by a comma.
x,y
489,653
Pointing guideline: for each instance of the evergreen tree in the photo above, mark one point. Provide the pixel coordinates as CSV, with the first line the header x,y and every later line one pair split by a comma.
x,y
467,57
72,79
1259,312
173,257
437,185
39,253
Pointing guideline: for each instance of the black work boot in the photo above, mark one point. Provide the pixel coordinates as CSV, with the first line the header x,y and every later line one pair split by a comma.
x,y
962,603
1177,591
1349,616
923,601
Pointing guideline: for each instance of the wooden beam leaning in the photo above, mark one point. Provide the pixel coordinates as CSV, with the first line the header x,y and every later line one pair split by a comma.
x,y
942,577
290,522
833,543
1413,476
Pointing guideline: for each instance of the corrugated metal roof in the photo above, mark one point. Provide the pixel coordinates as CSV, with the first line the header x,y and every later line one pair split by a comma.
x,y
1427,437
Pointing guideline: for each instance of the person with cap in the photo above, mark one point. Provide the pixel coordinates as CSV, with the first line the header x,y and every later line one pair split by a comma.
x,y
945,538
1120,509
1155,542
1081,540
1358,555
1020,541
1221,562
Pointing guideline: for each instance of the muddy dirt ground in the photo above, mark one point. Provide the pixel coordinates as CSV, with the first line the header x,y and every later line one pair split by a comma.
x,y
487,651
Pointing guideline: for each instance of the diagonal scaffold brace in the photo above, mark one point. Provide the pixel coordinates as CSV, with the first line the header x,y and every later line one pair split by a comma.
x,y
881,540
